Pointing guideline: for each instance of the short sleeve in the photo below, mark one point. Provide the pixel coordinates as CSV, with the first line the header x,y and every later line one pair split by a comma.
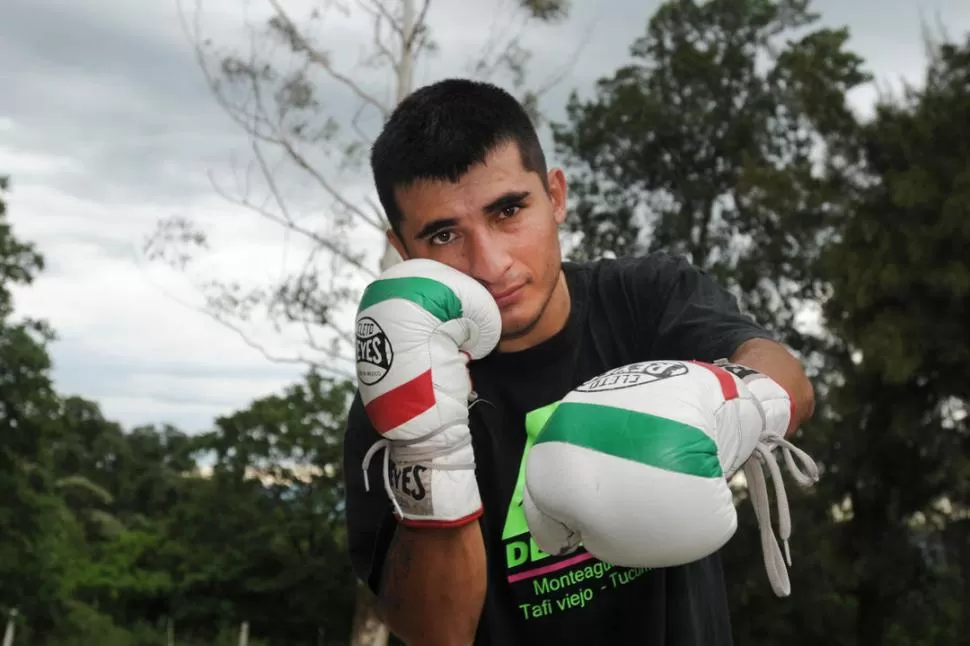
x,y
370,521
688,314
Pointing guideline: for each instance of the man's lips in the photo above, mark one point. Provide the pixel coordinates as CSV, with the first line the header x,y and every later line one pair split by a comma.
x,y
508,295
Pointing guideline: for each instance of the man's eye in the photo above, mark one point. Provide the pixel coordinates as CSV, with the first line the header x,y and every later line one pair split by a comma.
x,y
443,237
510,211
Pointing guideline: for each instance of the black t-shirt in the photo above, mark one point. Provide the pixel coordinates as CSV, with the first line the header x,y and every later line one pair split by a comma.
x,y
627,310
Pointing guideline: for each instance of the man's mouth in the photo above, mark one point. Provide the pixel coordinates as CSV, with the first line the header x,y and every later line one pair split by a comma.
x,y
508,296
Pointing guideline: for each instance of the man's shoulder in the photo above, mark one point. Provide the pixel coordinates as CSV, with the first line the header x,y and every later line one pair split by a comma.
x,y
641,271
655,261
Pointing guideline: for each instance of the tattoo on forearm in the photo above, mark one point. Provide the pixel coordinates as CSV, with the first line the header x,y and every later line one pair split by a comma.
x,y
397,568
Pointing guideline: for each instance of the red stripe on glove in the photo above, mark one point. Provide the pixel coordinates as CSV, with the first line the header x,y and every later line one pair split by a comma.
x,y
729,387
401,405
439,524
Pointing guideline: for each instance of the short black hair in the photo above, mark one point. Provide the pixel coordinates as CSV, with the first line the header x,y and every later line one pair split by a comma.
x,y
441,130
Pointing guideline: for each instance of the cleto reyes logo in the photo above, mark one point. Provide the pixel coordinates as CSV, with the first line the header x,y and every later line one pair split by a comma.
x,y
411,480
634,374
374,352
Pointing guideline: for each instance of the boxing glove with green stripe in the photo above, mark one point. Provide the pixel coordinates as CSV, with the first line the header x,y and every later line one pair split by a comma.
x,y
418,326
633,464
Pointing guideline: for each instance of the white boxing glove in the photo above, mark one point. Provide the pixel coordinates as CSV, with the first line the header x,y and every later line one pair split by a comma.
x,y
418,326
633,464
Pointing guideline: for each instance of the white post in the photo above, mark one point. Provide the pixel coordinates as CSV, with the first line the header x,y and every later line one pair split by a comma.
x,y
8,633
244,634
170,632
405,81
405,66
391,257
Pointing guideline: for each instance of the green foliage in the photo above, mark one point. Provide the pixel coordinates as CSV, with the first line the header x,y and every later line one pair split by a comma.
x,y
111,536
727,138
900,268
899,306
707,143
32,558
279,465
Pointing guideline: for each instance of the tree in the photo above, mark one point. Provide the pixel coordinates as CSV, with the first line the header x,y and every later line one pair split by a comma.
x,y
291,93
881,542
899,306
277,558
55,509
728,139
722,140
118,494
307,172
108,535
35,549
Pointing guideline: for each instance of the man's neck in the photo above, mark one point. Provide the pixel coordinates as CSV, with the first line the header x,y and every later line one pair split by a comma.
x,y
552,320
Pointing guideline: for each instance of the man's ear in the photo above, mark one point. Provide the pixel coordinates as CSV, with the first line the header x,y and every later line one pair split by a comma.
x,y
395,241
557,194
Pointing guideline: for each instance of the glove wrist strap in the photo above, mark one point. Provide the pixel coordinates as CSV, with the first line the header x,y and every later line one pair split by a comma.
x,y
776,404
775,400
415,452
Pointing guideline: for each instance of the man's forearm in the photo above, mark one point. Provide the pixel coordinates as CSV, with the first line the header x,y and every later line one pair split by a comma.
x,y
774,360
433,585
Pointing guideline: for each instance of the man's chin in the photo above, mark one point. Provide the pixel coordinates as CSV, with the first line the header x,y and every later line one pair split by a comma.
x,y
517,327
519,321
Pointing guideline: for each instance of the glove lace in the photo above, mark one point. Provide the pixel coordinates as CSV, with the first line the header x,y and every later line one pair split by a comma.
x,y
775,562
405,454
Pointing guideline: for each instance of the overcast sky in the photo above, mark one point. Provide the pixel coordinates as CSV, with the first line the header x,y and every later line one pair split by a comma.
x,y
107,126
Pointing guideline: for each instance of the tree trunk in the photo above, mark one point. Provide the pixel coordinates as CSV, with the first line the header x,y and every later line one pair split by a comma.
x,y
8,633
405,65
870,616
368,629
404,71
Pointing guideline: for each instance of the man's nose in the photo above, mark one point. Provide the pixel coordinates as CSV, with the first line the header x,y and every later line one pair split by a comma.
x,y
489,259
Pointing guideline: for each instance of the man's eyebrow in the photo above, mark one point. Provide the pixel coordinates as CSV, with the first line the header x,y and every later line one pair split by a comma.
x,y
434,227
512,198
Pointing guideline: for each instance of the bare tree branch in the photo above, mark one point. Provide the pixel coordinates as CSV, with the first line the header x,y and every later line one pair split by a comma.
x,y
274,358
419,24
258,125
557,77
382,50
355,123
272,93
288,222
381,10
337,195
298,300
323,241
275,104
301,161
320,58
245,338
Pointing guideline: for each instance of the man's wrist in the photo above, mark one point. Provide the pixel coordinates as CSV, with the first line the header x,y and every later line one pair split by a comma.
x,y
774,399
438,492
773,359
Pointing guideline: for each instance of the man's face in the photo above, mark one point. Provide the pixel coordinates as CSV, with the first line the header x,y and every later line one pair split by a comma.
x,y
500,226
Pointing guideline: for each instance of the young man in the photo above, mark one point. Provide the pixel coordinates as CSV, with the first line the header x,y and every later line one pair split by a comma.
x,y
463,179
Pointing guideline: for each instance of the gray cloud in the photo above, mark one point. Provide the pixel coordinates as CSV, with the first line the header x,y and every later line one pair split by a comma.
x,y
112,93
124,100
124,96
